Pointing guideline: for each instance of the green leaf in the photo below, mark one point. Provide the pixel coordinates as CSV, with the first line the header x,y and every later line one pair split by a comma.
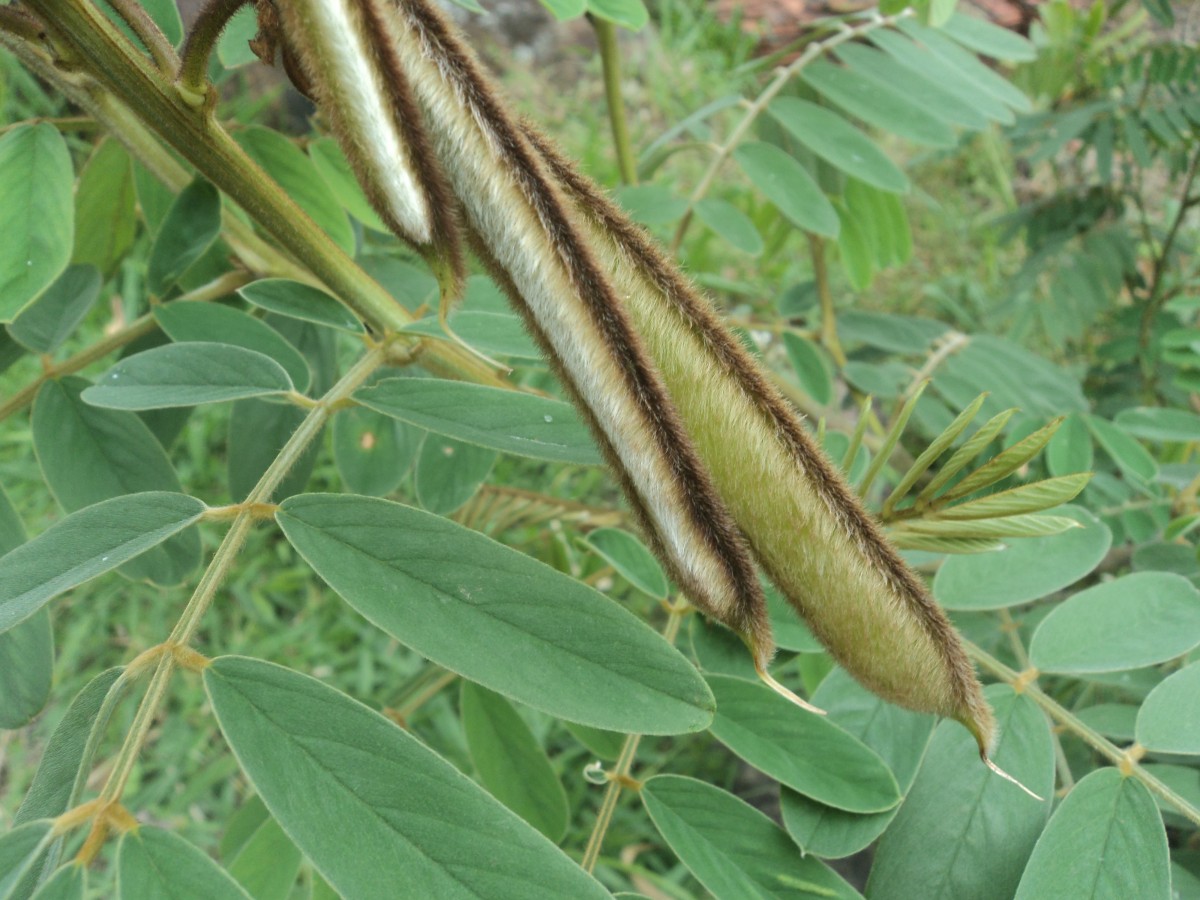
x,y
651,204
897,735
1028,498
604,744
1134,461
510,762
631,559
189,229
156,863
300,301
733,849
327,156
1105,840
1026,526
1133,621
1113,720
267,863
963,831
496,616
1004,463
19,850
86,544
790,631
258,430
804,751
391,813
838,142
188,374
233,47
810,366
1169,720
876,105
564,10
493,333
373,452
210,323
1070,450
1026,570
37,215
629,14
731,224
937,12
1161,11
983,37
26,669
970,70
1012,376
68,883
896,334
449,472
105,208
300,180
50,319
495,418
1159,424
788,185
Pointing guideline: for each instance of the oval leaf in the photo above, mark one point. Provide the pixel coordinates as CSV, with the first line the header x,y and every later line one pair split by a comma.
x,y
810,367
299,301
155,863
963,831
26,669
37,214
1105,840
449,472
1134,621
629,556
369,804
1025,570
730,223
788,185
804,751
188,374
190,227
510,762
86,544
733,849
496,616
373,452
19,849
1169,720
67,883
106,218
1156,424
49,320
508,421
490,332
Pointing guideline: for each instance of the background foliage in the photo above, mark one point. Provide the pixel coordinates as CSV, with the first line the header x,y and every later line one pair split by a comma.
x,y
896,199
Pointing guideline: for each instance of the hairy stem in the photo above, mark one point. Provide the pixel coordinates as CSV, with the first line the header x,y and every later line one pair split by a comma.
x,y
203,37
148,32
610,60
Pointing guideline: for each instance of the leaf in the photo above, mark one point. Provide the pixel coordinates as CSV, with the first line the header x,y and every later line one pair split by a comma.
x,y
257,432
233,48
1159,424
68,883
165,15
810,367
1070,450
86,544
1012,377
1133,621
731,224
629,14
1161,11
970,70
838,142
983,37
651,204
733,849
1105,840
300,301
897,735
855,250
1028,498
26,669
189,229
804,751
105,208
1169,720
931,453
788,185
267,863
373,452
327,156
1031,525
188,374
449,473
300,180
604,744
37,215
963,831
1026,570
152,862
510,762
1134,461
495,418
50,319
876,105
384,797
790,631
630,558
19,849
1113,720
493,333
564,10
1004,463
212,323
896,334
496,616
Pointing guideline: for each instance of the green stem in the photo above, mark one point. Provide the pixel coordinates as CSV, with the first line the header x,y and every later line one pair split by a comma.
x,y
620,773
201,39
221,563
148,32
829,335
610,61
1125,760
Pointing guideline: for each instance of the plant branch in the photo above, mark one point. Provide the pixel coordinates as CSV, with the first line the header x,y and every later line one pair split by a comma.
x,y
829,335
148,32
1127,760
782,77
201,39
610,61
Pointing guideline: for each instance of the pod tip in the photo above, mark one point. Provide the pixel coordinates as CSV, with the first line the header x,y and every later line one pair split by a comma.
x,y
999,771
778,688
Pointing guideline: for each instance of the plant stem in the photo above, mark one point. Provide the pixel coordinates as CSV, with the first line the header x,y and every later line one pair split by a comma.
x,y
829,335
221,563
1087,734
782,77
201,39
610,61
148,32
620,773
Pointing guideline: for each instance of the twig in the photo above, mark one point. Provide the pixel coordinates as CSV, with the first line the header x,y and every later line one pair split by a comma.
x,y
201,39
610,60
148,33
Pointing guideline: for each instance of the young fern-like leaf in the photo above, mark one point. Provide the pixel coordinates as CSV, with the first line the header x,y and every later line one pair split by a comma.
x,y
1004,463
930,454
890,440
1028,498
963,456
856,439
